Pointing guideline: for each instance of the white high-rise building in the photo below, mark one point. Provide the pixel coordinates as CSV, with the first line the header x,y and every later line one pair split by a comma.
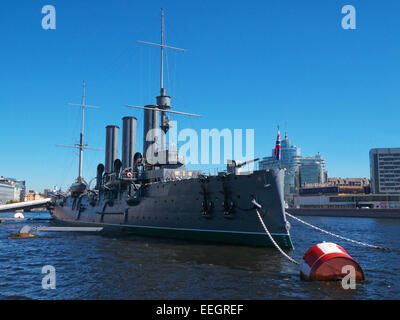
x,y
11,190
298,170
385,170
290,156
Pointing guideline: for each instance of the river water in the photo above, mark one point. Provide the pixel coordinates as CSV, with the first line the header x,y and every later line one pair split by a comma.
x,y
93,266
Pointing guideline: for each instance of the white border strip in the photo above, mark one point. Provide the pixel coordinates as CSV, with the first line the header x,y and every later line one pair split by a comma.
x,y
169,228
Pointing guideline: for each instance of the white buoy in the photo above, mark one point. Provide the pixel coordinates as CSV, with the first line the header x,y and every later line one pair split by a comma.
x,y
19,215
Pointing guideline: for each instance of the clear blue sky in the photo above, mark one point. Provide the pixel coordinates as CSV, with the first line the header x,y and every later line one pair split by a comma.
x,y
250,64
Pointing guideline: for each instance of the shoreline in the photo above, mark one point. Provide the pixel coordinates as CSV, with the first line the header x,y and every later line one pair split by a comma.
x,y
351,213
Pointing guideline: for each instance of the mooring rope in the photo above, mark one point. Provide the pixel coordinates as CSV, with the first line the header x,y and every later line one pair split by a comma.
x,y
336,235
273,241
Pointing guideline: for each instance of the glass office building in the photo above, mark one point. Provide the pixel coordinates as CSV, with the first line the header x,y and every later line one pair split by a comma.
x,y
6,191
298,170
385,170
290,161
312,170
11,190
19,190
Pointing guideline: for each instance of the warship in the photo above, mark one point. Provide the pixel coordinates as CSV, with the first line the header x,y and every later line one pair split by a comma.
x,y
155,194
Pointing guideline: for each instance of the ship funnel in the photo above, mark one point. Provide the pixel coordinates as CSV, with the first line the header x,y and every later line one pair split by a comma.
x,y
150,122
111,147
128,141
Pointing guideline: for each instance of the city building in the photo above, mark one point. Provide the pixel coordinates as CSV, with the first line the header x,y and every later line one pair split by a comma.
x,y
362,182
344,193
343,182
335,199
32,195
290,161
331,190
6,190
312,170
385,170
382,191
298,170
19,190
11,190
47,193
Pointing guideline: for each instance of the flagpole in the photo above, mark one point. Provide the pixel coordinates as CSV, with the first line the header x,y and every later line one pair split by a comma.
x,y
279,151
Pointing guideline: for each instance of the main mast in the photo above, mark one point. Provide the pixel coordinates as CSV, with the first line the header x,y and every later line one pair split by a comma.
x,y
163,104
163,101
162,52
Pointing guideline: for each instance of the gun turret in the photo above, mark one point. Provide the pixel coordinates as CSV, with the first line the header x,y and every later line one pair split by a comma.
x,y
233,166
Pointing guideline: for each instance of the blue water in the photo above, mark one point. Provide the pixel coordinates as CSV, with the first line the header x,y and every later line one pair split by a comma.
x,y
92,266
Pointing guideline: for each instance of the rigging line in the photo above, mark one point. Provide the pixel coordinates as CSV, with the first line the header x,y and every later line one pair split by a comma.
x,y
89,163
140,74
178,80
168,73
67,167
117,63
67,171
174,76
149,78
166,60
76,122
111,67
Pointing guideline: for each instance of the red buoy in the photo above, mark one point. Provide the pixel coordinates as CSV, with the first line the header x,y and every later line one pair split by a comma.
x,y
325,261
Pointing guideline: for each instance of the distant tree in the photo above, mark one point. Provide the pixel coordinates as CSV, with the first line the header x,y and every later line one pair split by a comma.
x,y
12,201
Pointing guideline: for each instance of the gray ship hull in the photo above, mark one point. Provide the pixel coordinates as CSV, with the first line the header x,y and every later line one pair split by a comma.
x,y
175,209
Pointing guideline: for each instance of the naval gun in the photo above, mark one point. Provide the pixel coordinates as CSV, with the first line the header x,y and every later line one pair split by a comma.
x,y
234,167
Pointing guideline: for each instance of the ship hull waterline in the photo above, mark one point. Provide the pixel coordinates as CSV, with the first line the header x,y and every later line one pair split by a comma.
x,y
213,236
174,210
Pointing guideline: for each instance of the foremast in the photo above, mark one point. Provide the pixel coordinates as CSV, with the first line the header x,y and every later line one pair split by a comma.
x,y
81,145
